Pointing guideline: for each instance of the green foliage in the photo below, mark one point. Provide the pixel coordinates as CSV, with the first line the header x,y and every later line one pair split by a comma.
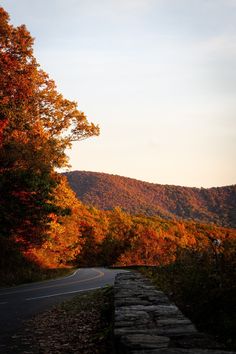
x,y
26,203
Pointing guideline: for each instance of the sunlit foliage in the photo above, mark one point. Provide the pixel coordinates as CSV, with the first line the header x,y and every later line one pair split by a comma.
x,y
104,191
36,126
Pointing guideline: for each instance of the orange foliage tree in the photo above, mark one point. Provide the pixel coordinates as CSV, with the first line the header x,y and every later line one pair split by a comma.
x,y
36,126
63,242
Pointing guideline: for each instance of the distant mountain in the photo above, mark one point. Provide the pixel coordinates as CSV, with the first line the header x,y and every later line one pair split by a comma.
x,y
104,191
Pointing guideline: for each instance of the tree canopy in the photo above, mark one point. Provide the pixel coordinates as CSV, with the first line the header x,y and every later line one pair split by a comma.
x,y
37,124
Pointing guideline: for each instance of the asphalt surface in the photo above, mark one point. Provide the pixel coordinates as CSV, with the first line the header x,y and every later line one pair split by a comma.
x,y
24,301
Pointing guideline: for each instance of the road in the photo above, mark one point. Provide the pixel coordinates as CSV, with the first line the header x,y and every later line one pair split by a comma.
x,y
24,301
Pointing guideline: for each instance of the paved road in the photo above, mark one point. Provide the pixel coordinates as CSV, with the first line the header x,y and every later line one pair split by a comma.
x,y
22,302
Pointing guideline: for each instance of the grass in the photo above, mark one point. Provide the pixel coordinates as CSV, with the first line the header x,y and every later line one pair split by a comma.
x,y
30,274
16,269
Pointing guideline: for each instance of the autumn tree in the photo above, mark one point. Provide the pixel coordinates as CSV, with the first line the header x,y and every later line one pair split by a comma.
x,y
118,237
37,124
94,226
64,242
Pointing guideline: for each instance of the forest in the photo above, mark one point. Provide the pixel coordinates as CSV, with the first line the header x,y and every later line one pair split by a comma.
x,y
105,191
45,226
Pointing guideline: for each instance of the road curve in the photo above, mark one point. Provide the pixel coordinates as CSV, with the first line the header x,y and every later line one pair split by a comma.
x,y
24,301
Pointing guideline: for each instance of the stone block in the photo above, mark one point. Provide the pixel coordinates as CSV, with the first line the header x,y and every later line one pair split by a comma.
x,y
144,341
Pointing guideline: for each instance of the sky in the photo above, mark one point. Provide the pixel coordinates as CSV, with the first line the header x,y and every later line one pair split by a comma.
x,y
158,76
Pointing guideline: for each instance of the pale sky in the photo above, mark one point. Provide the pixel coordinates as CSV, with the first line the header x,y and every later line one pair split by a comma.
x,y
158,76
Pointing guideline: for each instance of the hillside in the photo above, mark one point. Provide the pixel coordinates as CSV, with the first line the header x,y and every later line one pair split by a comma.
x,y
105,191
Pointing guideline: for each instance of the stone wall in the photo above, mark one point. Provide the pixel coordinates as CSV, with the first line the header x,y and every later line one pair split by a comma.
x,y
146,322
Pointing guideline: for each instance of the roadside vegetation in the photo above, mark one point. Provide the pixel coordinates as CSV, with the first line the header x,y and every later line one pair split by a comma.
x,y
203,286
16,269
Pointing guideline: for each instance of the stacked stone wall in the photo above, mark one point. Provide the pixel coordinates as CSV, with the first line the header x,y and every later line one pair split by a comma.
x,y
146,322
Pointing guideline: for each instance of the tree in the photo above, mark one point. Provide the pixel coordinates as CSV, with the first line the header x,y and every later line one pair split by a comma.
x,y
36,126
63,241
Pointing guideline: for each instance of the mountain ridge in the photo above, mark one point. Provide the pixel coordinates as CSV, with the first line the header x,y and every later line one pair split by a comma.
x,y
106,191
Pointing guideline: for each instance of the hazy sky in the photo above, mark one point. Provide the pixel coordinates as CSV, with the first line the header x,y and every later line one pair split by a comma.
x,y
158,76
